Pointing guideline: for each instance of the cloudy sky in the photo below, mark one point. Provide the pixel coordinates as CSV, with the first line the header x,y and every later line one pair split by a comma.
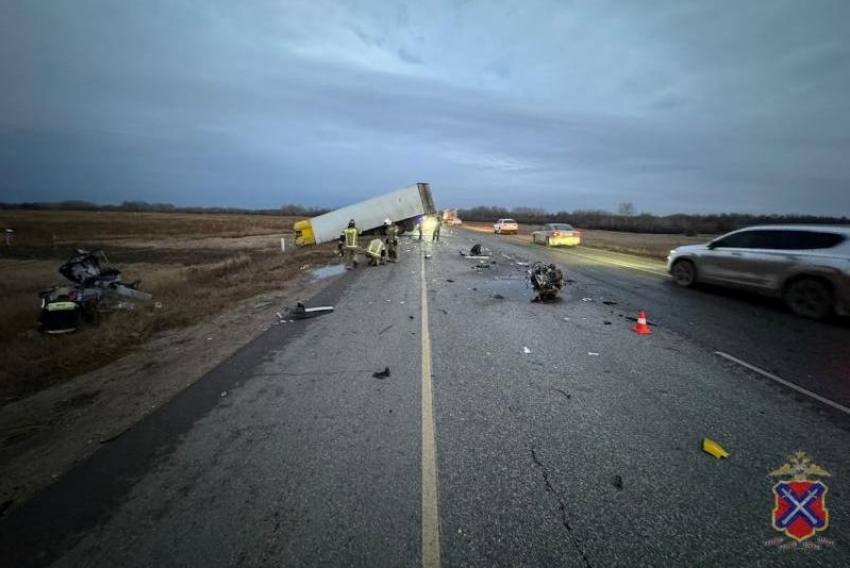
x,y
691,106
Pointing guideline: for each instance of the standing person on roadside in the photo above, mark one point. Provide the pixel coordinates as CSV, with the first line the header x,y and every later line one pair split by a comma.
x,y
391,232
435,236
350,235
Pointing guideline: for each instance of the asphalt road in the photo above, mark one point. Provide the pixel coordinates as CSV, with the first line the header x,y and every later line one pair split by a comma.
x,y
508,433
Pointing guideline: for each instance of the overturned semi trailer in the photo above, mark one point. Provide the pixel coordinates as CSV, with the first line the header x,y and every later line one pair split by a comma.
x,y
404,207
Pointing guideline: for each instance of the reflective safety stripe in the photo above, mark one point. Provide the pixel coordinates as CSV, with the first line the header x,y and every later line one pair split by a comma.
x,y
350,238
375,247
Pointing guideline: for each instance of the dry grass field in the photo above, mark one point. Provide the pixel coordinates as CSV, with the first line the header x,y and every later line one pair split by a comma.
x,y
642,244
195,265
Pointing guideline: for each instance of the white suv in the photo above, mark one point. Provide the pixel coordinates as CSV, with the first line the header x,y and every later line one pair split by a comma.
x,y
806,265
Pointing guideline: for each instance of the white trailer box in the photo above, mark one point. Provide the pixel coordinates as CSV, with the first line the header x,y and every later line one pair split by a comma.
x,y
403,207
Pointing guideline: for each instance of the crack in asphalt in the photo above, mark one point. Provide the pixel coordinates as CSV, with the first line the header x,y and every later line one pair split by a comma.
x,y
561,506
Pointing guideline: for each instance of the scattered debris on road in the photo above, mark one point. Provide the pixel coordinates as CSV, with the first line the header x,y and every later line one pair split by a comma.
x,y
547,280
562,392
386,329
617,482
712,448
303,312
593,353
609,302
382,374
498,297
476,252
526,350
587,299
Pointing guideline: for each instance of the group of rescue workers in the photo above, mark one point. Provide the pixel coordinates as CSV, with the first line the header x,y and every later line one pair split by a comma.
x,y
378,251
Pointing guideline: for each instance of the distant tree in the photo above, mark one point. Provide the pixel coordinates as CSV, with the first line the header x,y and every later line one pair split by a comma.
x,y
627,209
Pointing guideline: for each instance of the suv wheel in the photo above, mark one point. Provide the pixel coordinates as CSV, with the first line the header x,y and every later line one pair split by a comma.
x,y
684,273
809,298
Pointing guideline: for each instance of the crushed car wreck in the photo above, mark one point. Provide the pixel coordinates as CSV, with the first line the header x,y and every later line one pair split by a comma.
x,y
94,288
547,280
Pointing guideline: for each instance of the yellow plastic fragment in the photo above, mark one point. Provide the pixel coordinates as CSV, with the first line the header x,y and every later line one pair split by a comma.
x,y
711,447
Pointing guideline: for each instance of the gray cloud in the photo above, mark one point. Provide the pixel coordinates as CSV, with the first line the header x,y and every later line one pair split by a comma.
x,y
675,106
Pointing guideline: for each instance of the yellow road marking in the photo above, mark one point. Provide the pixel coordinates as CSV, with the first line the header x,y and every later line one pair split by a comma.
x,y
430,514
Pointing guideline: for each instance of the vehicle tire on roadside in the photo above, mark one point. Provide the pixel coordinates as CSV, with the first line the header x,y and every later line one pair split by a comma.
x,y
684,273
809,298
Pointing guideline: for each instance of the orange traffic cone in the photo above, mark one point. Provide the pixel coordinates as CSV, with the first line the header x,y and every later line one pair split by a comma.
x,y
640,327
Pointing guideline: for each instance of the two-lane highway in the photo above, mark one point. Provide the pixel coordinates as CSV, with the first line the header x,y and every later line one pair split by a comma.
x,y
507,433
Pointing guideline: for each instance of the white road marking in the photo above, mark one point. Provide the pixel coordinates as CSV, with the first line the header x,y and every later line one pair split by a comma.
x,y
782,381
430,514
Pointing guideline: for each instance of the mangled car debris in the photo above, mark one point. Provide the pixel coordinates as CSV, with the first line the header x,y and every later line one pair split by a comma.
x,y
476,252
94,288
547,280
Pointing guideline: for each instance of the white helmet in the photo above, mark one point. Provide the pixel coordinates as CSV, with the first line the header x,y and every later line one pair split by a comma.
x,y
387,221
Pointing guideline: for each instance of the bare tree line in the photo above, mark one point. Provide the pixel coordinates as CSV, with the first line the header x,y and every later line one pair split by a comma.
x,y
627,220
145,207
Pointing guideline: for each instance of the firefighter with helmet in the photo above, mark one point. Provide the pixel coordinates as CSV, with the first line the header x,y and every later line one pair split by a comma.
x,y
350,247
391,231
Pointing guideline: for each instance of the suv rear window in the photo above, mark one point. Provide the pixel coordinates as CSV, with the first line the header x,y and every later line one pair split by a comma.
x,y
807,240
775,239
508,221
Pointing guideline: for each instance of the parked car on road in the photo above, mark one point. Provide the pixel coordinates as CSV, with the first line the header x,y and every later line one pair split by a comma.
x,y
556,235
506,227
808,266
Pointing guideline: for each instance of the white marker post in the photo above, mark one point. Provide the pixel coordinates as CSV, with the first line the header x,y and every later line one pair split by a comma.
x,y
282,244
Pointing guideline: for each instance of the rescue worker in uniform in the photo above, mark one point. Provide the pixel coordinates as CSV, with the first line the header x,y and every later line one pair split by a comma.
x,y
350,235
435,236
375,252
391,232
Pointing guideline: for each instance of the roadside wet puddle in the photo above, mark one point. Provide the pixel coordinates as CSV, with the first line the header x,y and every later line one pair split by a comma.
x,y
327,271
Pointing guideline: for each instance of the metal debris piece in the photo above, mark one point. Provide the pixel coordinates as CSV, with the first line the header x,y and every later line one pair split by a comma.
x,y
382,374
303,312
526,350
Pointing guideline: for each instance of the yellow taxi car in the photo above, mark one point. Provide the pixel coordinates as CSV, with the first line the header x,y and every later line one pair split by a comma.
x,y
557,235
